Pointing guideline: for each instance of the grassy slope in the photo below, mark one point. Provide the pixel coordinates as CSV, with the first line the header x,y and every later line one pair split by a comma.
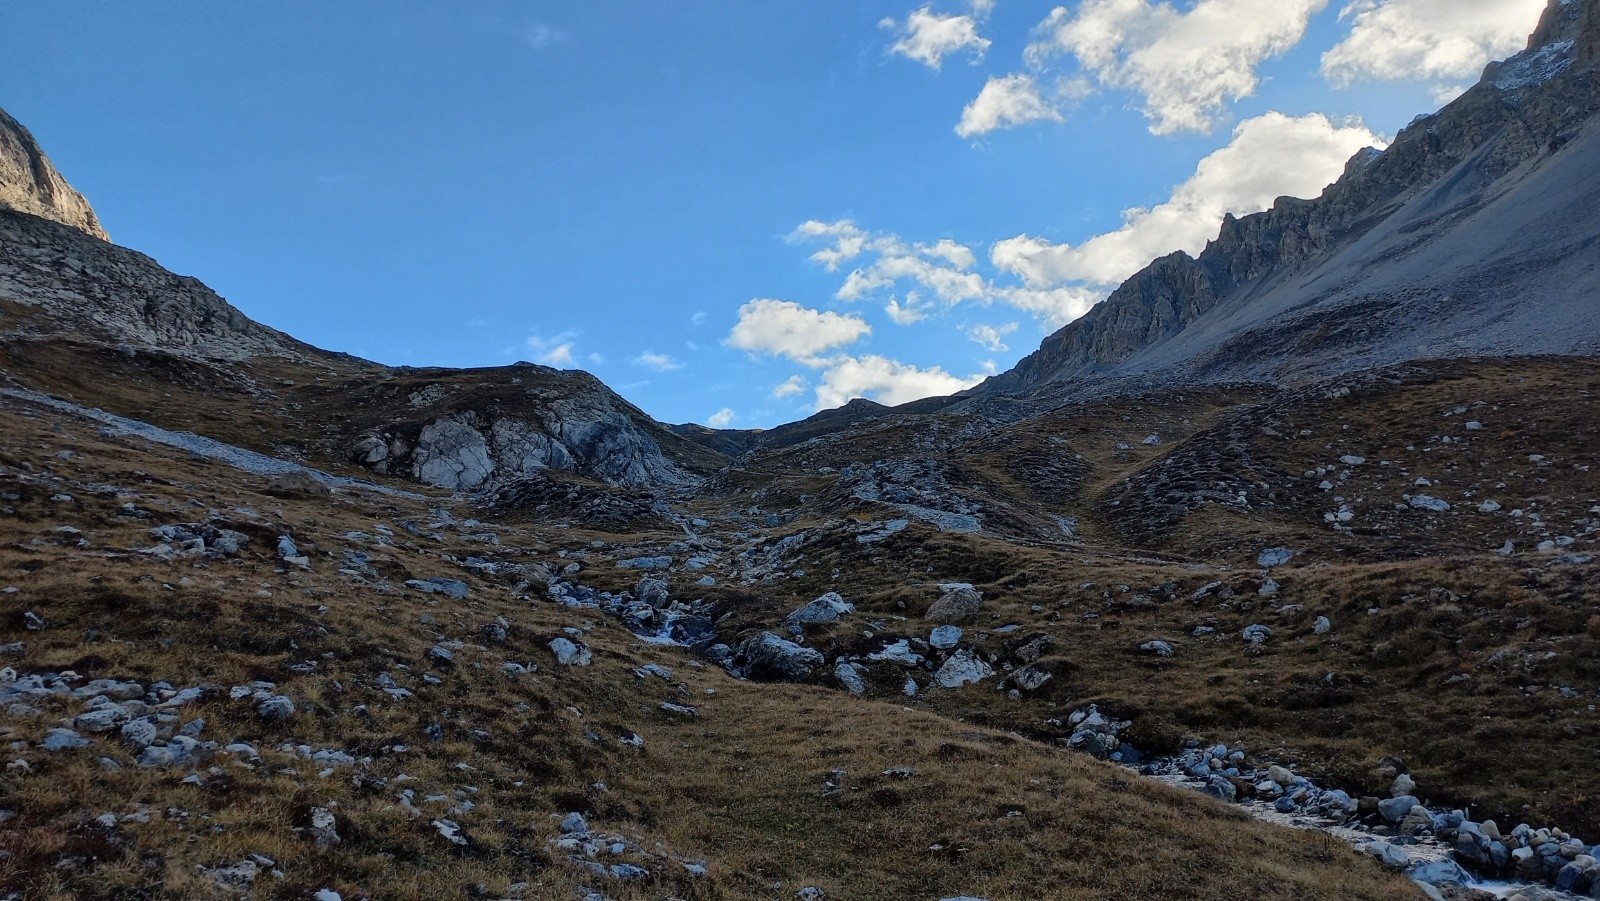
x,y
738,786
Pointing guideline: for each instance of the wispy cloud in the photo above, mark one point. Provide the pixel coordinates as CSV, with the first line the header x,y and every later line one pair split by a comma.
x,y
658,361
541,36
554,350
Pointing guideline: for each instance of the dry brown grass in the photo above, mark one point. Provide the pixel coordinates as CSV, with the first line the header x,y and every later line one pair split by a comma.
x,y
740,786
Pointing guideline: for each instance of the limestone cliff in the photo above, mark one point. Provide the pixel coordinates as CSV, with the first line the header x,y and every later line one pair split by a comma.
x,y
29,182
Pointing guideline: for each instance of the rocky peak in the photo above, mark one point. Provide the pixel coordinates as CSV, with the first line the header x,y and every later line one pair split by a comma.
x,y
29,182
1523,108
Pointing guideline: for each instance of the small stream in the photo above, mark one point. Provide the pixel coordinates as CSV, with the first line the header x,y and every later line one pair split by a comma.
x,y
1431,860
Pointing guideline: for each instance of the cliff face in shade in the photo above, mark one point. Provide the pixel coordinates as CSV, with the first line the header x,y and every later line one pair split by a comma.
x,y
1393,261
29,182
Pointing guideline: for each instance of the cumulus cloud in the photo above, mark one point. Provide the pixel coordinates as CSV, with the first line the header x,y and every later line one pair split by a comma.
x,y
785,328
720,419
1431,40
991,337
557,350
1185,63
928,37
1268,157
932,274
657,361
789,387
885,381
1007,101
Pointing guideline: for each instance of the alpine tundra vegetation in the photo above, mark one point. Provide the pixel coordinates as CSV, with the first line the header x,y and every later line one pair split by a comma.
x,y
1270,576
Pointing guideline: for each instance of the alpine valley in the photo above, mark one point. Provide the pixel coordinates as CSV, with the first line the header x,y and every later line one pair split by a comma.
x,y
1272,577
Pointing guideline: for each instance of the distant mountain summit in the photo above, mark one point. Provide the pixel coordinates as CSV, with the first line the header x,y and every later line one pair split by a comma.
x,y
29,182
1477,232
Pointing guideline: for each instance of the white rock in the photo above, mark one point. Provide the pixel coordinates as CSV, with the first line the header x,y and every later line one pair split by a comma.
x,y
963,668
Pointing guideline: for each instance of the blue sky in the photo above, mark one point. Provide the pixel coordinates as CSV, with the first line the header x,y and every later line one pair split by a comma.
x,y
656,192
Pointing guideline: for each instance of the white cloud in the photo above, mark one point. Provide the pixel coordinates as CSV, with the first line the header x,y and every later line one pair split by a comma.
x,y
789,387
1186,63
885,381
659,362
540,36
1432,40
699,318
846,241
558,350
911,312
785,328
991,337
1006,102
1269,156
720,419
928,37
934,272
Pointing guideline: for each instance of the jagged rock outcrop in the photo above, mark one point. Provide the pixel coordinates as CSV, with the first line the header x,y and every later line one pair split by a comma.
x,y
519,422
1439,189
29,182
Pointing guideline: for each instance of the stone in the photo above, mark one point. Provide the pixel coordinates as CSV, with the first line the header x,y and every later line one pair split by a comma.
x,y
1489,506
276,708
1274,557
851,676
959,602
1281,776
139,733
235,877
652,591
1257,634
1392,856
324,828
826,609
1393,810
453,588
102,719
646,564
569,653
1030,678
1322,626
574,824
945,637
63,740
769,658
1403,785
1158,648
1431,504
963,668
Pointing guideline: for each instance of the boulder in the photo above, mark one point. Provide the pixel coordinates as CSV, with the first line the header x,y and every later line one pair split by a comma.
x,y
769,658
1274,557
570,653
1393,810
945,637
652,591
958,603
825,609
852,676
1158,648
963,668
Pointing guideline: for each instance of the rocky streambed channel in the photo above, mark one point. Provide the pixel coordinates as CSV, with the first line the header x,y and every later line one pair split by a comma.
x,y
1448,854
